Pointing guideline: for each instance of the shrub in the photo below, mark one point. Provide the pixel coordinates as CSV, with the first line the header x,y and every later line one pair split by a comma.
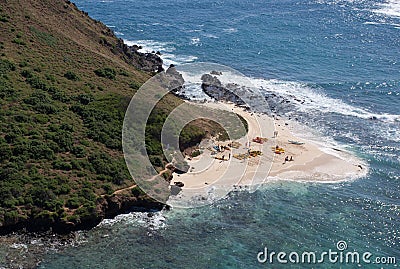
x,y
79,151
156,161
41,195
6,89
4,18
61,165
85,99
73,202
58,95
36,82
38,97
26,73
106,72
196,153
123,72
135,85
137,191
88,211
46,108
190,136
23,64
39,150
12,135
19,41
76,165
11,216
63,139
5,152
63,189
6,66
102,163
87,193
50,77
21,118
108,189
71,76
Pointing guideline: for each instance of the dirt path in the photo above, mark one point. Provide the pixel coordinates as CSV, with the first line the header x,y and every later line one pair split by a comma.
x,y
135,185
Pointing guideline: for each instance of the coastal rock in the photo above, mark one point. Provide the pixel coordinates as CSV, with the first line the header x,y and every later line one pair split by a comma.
x,y
175,79
175,190
111,206
218,73
149,62
179,184
213,87
107,207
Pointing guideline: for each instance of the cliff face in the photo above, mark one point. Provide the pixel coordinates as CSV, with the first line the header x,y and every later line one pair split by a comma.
x,y
65,82
66,23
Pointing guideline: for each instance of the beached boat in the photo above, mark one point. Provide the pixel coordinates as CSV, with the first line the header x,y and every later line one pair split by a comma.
x,y
295,142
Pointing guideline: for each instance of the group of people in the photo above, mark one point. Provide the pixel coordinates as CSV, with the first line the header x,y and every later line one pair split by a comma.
x,y
288,160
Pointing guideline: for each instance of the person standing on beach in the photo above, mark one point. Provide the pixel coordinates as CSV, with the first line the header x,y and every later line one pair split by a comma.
x,y
286,159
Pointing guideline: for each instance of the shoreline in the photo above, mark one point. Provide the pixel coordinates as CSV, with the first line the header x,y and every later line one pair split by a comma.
x,y
210,177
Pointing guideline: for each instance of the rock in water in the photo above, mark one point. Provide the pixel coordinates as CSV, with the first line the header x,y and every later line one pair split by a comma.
x,y
214,88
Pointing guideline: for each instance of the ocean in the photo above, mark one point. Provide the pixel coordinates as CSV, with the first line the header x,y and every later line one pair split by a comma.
x,y
341,58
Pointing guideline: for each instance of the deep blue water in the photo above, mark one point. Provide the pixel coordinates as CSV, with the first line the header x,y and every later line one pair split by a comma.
x,y
342,58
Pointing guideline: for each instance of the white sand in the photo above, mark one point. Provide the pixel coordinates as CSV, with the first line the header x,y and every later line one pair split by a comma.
x,y
209,178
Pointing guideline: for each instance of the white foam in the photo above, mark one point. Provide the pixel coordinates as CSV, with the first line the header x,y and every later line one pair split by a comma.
x,y
165,48
151,45
390,8
211,36
19,246
230,30
194,31
154,222
195,41
311,99
395,25
316,100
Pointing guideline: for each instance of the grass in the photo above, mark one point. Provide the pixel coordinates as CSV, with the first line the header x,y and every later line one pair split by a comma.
x,y
63,95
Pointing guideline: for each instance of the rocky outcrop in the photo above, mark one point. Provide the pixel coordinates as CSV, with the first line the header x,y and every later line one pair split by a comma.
x,y
111,206
107,207
175,79
213,87
149,62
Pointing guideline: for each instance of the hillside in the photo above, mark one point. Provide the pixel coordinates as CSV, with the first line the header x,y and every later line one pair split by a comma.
x,y
65,83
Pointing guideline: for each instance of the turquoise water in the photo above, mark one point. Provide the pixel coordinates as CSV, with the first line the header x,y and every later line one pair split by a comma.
x,y
342,59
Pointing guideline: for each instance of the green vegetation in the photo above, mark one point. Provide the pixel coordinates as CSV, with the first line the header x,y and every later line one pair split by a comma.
x,y
196,153
60,125
71,76
4,18
43,37
106,72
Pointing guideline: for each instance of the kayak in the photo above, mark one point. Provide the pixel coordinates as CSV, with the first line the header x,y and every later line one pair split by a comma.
x,y
295,142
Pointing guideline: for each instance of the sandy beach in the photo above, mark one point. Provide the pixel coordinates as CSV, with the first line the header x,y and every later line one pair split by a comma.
x,y
215,173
